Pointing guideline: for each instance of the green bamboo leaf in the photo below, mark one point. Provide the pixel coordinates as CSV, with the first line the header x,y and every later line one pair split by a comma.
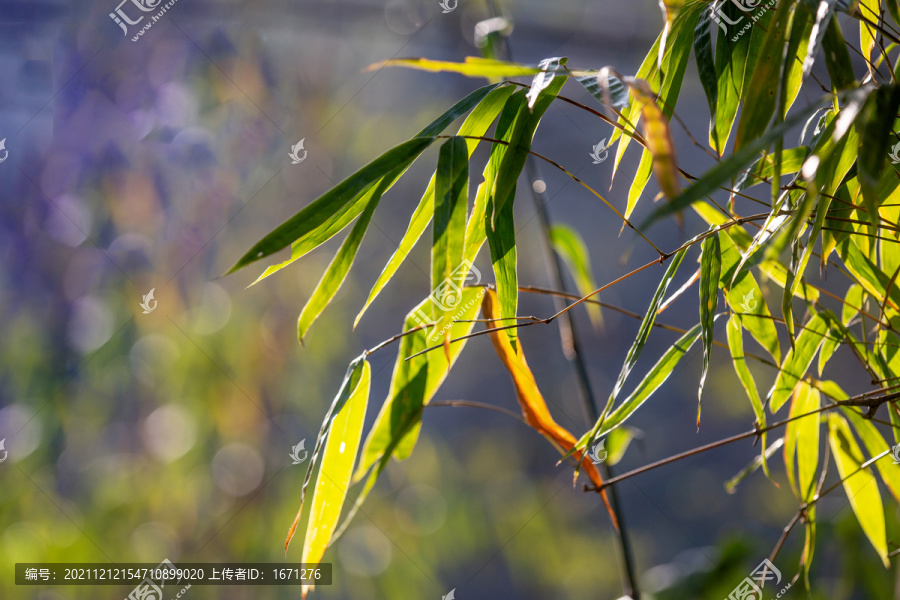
x,y
736,347
731,60
337,270
308,227
870,10
415,381
335,209
754,465
860,484
760,95
798,360
502,242
475,125
540,96
349,385
338,460
569,245
744,296
837,57
801,438
660,157
796,51
706,65
824,14
875,444
648,385
473,66
450,203
875,123
710,271
727,169
617,442
867,274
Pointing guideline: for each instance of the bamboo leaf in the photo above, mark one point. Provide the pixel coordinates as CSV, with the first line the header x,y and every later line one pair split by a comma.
x,y
875,444
801,438
859,484
569,245
335,209
450,203
351,381
534,407
333,480
798,360
875,125
618,93
760,95
473,66
415,382
706,65
337,270
837,57
659,140
731,59
754,465
736,347
475,125
710,270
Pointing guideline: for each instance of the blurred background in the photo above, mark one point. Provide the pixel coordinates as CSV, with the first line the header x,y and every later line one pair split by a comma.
x,y
135,436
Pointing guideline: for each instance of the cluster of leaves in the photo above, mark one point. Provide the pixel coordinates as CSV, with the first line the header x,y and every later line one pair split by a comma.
x,y
833,196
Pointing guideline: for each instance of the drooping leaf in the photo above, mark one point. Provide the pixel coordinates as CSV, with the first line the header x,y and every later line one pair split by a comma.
x,y
415,381
801,438
450,204
869,11
706,65
337,270
875,444
333,479
736,347
475,125
731,59
875,124
351,381
860,484
762,92
837,57
659,140
472,66
569,245
534,407
710,270
798,360
618,93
